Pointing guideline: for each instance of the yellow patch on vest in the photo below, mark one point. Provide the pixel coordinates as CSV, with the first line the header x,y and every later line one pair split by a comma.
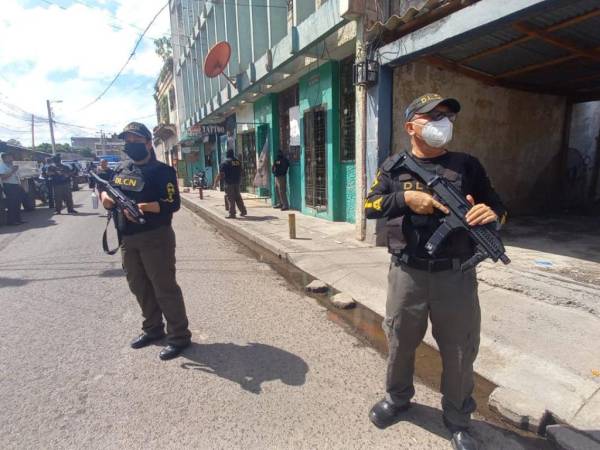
x,y
123,181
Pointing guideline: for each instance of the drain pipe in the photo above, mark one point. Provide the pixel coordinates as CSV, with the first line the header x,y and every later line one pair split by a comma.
x,y
361,135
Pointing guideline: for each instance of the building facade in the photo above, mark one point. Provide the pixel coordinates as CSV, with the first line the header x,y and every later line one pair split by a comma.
x,y
288,87
100,146
522,70
166,132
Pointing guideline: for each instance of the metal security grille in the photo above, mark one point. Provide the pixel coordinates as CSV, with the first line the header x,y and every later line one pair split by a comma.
x,y
248,159
316,158
348,111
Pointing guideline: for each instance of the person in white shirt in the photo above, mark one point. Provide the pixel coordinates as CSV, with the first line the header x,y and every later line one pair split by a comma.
x,y
11,184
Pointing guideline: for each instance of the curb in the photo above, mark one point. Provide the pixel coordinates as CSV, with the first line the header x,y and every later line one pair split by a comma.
x,y
524,409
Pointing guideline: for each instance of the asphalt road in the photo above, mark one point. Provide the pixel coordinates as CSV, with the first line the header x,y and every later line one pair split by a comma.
x,y
267,369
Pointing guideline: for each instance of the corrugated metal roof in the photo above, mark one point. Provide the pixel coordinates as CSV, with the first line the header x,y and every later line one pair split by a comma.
x,y
537,51
402,12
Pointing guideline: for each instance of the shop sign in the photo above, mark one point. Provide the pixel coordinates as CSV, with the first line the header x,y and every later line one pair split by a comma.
x,y
205,130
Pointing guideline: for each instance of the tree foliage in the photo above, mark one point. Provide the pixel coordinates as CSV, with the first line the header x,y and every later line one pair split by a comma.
x,y
163,48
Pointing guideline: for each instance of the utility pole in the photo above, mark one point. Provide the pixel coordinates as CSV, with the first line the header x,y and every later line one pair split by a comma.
x,y
361,136
32,133
102,143
51,126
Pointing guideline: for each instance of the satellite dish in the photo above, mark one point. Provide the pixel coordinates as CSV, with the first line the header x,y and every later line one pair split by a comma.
x,y
217,59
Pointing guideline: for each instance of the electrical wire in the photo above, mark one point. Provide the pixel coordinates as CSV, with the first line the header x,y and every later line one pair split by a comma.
x,y
25,116
128,59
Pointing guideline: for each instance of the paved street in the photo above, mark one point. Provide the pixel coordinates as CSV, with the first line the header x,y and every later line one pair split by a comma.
x,y
267,368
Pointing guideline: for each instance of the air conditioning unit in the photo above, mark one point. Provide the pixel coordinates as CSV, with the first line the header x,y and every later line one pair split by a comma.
x,y
352,9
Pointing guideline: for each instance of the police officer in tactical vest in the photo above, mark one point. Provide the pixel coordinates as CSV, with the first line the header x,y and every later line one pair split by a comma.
x,y
421,286
231,171
148,250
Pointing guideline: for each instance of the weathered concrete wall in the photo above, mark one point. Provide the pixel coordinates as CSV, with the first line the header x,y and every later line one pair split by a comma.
x,y
516,135
585,130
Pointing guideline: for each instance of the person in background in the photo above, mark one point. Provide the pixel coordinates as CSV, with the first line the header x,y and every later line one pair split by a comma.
x,y
91,169
11,184
231,172
60,175
280,170
104,172
48,181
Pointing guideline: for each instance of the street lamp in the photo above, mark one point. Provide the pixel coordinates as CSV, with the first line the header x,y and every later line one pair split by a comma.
x,y
48,102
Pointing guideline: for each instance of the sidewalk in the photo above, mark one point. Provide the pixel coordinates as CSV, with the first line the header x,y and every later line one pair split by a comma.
x,y
542,355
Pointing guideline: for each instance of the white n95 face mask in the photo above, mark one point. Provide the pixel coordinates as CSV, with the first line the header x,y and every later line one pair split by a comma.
x,y
437,134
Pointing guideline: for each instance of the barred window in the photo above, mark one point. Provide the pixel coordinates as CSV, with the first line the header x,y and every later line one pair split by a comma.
x,y
347,111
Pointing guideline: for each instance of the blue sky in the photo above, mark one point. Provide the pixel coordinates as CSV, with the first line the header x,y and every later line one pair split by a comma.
x,y
69,50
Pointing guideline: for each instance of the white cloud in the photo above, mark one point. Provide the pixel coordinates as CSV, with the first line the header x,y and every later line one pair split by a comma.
x,y
72,55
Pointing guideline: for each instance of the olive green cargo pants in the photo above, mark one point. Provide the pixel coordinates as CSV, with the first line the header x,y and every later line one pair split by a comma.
x,y
233,198
62,193
149,262
449,298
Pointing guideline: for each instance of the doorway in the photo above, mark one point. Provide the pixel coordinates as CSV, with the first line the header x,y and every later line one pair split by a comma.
x,y
248,159
315,164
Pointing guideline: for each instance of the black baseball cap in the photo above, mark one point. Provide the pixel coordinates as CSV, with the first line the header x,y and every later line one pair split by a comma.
x,y
136,128
427,102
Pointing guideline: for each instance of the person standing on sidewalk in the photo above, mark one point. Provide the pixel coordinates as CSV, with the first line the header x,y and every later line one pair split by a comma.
x,y
280,170
421,286
148,250
231,172
60,175
11,184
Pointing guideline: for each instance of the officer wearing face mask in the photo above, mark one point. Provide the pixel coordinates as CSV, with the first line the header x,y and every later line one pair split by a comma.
x,y
148,250
421,286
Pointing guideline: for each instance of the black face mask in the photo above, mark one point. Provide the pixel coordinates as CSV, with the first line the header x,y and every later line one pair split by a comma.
x,y
136,150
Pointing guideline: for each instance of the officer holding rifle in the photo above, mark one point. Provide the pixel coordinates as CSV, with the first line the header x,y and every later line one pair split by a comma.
x,y
422,286
148,245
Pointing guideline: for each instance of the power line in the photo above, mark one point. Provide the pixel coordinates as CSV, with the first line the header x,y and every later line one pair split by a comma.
x,y
128,59
25,116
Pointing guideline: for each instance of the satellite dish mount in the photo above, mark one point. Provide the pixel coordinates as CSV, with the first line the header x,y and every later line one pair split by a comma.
x,y
216,61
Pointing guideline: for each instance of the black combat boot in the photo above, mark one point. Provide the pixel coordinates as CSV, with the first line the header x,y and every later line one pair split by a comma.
x,y
383,413
145,339
171,351
461,438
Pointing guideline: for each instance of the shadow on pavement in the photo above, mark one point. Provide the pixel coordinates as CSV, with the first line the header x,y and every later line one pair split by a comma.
x,y
570,235
80,214
12,282
40,217
258,218
247,365
430,419
112,273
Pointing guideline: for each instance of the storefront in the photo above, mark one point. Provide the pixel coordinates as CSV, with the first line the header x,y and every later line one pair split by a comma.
x,y
326,110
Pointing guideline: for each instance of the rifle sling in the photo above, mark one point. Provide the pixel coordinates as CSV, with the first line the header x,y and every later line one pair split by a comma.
x,y
105,247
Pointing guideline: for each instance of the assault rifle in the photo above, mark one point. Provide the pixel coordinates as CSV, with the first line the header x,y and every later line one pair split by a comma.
x,y
123,203
487,241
